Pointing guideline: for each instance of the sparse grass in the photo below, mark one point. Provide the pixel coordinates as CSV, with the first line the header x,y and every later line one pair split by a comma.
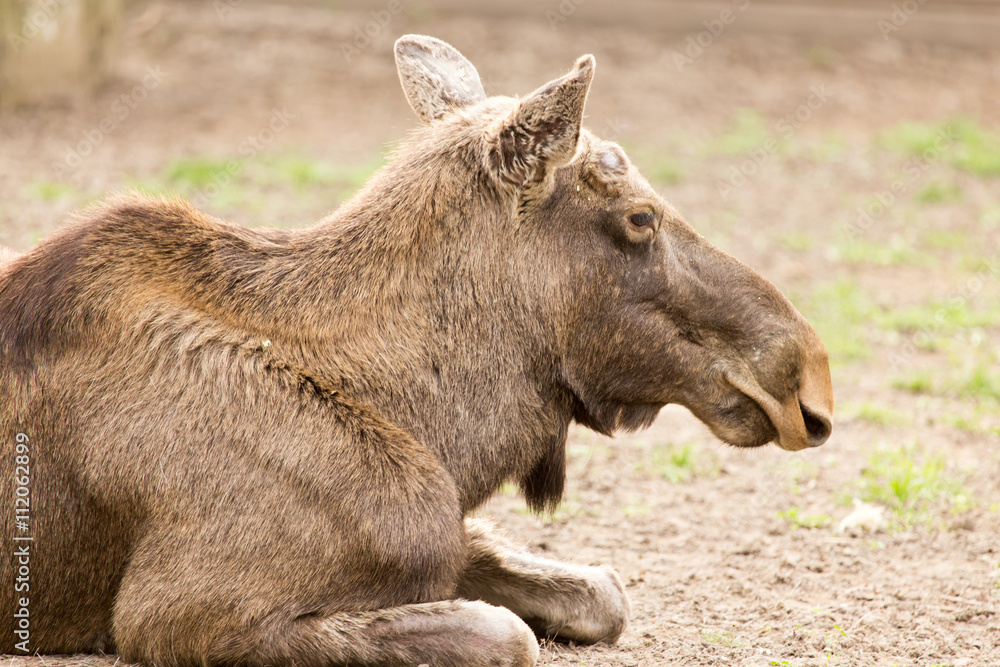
x,y
980,379
895,252
937,317
659,164
972,374
721,638
228,182
302,173
879,415
797,241
839,311
747,132
820,56
799,472
681,463
977,149
919,140
939,192
831,148
800,519
49,191
666,171
989,218
636,507
196,172
915,485
915,382
978,263
981,417
420,12
961,143
946,239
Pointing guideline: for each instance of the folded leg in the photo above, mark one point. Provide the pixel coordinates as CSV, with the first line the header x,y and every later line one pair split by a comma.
x,y
559,600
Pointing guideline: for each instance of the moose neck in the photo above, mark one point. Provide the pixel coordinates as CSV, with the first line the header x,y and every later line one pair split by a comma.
x,y
409,299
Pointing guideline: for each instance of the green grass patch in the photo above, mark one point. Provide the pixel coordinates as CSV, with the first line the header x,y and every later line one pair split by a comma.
x,y
720,638
302,173
989,218
981,379
939,192
820,56
977,149
915,382
895,252
797,241
917,486
981,417
748,130
800,519
680,463
848,320
659,164
840,311
241,183
960,142
971,374
666,171
877,414
799,473
937,317
919,140
636,507
946,239
830,148
50,191
196,172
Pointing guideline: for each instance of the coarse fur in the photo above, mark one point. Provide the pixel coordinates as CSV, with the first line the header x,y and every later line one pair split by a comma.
x,y
258,447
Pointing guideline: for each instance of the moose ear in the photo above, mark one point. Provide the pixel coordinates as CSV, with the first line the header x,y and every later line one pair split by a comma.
x,y
544,130
436,78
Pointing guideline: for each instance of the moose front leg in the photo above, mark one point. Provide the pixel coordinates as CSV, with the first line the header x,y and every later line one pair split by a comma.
x,y
558,600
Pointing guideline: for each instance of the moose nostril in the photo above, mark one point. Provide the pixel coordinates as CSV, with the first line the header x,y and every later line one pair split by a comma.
x,y
817,426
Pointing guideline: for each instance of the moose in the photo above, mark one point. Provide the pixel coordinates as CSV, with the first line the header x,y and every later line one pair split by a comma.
x,y
261,447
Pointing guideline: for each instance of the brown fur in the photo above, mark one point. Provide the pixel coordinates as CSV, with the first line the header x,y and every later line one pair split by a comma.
x,y
258,447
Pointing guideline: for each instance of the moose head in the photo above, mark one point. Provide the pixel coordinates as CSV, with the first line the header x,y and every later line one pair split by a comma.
x,y
640,309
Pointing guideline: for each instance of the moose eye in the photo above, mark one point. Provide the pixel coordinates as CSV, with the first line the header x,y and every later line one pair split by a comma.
x,y
642,220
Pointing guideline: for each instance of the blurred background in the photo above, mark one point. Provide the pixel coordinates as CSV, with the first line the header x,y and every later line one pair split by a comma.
x,y
849,151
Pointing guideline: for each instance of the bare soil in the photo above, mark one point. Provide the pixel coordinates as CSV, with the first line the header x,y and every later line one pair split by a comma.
x,y
717,575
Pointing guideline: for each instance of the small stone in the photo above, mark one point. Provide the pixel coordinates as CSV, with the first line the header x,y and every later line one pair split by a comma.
x,y
866,518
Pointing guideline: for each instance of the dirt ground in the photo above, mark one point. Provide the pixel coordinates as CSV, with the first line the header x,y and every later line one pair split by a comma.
x,y
730,557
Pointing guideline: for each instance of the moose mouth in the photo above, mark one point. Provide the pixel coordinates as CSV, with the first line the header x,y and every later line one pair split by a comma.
x,y
803,419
